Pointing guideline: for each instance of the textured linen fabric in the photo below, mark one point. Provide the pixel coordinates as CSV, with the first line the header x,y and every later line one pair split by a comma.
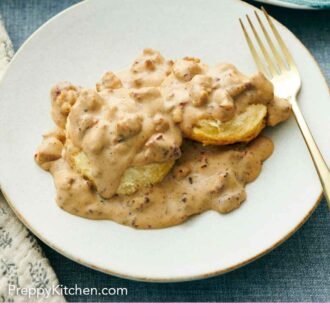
x,y
298,270
22,262
6,49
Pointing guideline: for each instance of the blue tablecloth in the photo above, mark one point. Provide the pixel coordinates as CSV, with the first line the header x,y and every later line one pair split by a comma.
x,y
298,270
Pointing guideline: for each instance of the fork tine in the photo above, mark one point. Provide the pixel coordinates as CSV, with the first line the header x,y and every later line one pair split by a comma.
x,y
279,39
253,51
279,60
269,61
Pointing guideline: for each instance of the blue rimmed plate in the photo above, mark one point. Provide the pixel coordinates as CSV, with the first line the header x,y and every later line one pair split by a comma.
x,y
299,4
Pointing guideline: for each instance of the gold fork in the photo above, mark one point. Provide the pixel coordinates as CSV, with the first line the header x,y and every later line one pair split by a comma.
x,y
283,73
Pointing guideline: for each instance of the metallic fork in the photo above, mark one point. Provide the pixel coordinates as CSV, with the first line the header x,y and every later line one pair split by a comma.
x,y
281,69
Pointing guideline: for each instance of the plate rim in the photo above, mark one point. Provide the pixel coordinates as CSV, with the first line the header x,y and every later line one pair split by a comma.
x,y
155,279
280,3
164,280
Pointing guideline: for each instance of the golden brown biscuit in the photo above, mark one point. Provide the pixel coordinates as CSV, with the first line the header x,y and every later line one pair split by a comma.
x,y
242,128
133,179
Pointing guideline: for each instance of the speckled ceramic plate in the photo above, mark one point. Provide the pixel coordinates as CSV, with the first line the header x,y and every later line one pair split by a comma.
x,y
83,42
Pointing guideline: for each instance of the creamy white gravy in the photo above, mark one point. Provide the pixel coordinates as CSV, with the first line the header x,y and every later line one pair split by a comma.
x,y
141,117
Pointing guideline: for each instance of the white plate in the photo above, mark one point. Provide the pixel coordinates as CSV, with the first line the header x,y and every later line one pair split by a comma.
x,y
83,42
281,3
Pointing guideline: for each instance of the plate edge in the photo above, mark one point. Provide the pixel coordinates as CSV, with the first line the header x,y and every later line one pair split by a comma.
x,y
147,279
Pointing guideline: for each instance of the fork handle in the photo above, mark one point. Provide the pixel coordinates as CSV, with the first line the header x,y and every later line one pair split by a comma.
x,y
319,162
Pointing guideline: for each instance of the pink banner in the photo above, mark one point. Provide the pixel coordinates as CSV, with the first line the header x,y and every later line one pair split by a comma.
x,y
165,316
